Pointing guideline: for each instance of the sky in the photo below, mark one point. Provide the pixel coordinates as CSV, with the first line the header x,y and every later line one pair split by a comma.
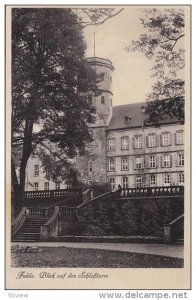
x,y
131,77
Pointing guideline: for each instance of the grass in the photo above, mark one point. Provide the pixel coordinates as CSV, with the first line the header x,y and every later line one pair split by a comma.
x,y
95,258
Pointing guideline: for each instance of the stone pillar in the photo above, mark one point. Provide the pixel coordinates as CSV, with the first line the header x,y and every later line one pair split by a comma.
x,y
167,234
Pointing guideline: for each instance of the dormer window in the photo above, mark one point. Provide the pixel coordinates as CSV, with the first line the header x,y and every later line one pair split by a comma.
x,y
102,99
127,119
143,109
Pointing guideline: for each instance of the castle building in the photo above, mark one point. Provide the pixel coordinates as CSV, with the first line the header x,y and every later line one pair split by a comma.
x,y
125,151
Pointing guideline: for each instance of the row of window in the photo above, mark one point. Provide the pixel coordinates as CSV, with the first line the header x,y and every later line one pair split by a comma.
x,y
151,141
90,99
46,186
166,180
150,161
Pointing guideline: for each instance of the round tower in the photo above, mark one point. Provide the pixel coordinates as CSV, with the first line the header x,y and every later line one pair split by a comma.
x,y
103,102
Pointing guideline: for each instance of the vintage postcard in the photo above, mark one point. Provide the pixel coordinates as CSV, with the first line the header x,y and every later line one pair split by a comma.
x,y
98,147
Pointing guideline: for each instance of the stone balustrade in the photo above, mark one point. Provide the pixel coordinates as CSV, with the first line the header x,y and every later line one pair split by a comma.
x,y
150,191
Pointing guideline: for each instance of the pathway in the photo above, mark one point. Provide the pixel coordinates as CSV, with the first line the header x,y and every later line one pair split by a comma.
x,y
156,249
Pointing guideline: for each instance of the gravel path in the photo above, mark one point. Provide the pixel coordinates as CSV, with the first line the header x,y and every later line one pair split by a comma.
x,y
156,249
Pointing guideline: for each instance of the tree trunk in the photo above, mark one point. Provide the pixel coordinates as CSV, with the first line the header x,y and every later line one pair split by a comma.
x,y
27,150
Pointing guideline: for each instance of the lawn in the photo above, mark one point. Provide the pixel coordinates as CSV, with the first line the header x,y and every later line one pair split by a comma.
x,y
63,257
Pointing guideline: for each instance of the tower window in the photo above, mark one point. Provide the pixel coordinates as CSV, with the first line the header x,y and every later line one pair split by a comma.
x,y
90,166
90,98
102,99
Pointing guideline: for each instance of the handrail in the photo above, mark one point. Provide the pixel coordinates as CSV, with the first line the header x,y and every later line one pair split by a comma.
x,y
54,215
92,200
19,221
87,195
48,227
176,220
172,229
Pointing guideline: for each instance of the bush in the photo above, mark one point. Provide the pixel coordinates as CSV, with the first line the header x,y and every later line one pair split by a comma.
x,y
144,217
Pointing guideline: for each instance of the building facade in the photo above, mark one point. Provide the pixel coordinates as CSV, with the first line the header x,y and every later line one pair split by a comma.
x,y
125,150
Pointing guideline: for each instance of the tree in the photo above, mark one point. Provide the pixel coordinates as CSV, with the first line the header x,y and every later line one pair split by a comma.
x,y
162,42
50,85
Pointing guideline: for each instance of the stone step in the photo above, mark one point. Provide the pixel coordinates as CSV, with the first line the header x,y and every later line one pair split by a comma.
x,y
179,241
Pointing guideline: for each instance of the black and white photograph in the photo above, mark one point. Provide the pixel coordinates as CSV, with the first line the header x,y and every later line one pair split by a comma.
x,y
98,151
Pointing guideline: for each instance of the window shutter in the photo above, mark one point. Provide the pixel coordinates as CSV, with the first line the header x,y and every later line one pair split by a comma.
x,y
142,162
175,138
133,143
146,162
156,140
161,139
171,138
161,161
156,161
134,162
170,160
147,141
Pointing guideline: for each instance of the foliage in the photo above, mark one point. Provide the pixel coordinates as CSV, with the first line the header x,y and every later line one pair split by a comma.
x,y
133,217
163,43
51,82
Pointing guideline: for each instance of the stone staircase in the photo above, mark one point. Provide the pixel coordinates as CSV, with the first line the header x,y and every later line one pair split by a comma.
x,y
30,230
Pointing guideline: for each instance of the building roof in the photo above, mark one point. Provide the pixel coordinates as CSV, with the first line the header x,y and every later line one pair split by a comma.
x,y
133,115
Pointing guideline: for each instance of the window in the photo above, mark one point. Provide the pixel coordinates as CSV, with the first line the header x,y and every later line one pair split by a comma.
x,y
138,141
90,98
90,166
112,182
36,186
47,174
46,186
111,165
36,170
125,143
151,140
58,185
179,137
125,182
102,99
112,144
181,159
166,179
152,180
138,162
138,181
166,161
166,139
152,161
124,164
181,177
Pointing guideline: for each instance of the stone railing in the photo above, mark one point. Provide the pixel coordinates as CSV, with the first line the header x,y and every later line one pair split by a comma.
x,y
150,191
67,211
87,195
53,194
174,229
38,212
18,222
50,228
